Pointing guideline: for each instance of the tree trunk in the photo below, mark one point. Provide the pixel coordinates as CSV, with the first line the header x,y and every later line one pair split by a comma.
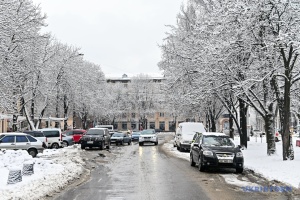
x,y
286,124
15,123
243,123
269,128
66,108
231,131
74,116
57,109
213,123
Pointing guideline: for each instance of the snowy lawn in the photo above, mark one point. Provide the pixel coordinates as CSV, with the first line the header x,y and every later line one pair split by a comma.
x,y
52,171
256,159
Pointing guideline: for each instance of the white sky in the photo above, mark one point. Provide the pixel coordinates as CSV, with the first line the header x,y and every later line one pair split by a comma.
x,y
122,36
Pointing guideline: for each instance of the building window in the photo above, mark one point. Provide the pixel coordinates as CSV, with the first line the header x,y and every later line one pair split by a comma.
x,y
132,115
124,125
161,114
133,126
152,125
172,126
162,126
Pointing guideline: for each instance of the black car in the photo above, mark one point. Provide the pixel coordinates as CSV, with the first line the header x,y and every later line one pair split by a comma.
x,y
96,137
216,150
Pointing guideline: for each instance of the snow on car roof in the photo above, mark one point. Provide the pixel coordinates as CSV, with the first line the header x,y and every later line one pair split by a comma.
x,y
13,133
214,133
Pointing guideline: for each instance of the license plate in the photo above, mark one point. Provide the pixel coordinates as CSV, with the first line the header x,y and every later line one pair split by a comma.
x,y
90,142
225,161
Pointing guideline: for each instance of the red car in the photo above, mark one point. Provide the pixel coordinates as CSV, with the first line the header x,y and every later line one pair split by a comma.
x,y
76,133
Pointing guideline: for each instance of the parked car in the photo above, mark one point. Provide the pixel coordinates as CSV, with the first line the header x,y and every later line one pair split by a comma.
x,y
120,138
67,140
96,137
148,136
184,134
277,136
197,134
216,150
135,136
21,141
72,136
54,137
39,135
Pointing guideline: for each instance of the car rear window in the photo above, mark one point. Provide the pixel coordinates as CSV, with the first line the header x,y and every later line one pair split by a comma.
x,y
95,132
144,132
31,139
78,132
38,134
52,133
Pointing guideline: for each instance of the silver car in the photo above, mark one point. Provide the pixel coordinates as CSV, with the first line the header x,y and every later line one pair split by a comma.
x,y
148,136
21,141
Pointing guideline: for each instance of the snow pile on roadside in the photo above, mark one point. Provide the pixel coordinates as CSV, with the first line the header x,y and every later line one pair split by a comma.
x,y
53,170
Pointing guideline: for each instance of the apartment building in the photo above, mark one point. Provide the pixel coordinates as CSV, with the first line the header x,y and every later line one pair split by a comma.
x,y
147,96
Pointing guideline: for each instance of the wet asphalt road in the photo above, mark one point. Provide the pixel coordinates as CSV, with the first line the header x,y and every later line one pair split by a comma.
x,y
149,172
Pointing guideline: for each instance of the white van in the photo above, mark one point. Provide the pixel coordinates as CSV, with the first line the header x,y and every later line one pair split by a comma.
x,y
54,137
184,134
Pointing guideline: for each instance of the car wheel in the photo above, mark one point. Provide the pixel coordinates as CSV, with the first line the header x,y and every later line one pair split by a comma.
x,y
200,165
122,143
55,146
65,144
156,143
192,161
239,170
129,143
82,146
141,143
178,148
32,152
276,139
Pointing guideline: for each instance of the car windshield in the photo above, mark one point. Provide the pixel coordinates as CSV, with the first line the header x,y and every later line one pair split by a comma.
x,y
117,135
146,132
136,133
217,141
95,132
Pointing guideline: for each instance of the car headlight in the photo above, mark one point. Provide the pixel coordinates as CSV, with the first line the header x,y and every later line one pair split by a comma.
x,y
239,154
208,153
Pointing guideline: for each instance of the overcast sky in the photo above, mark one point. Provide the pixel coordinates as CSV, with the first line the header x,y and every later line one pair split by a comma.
x,y
122,36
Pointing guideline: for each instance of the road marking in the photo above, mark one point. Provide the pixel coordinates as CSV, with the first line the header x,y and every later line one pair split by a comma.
x,y
99,180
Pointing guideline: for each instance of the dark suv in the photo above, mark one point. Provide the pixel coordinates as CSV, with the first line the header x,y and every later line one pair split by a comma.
x,y
96,137
216,150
